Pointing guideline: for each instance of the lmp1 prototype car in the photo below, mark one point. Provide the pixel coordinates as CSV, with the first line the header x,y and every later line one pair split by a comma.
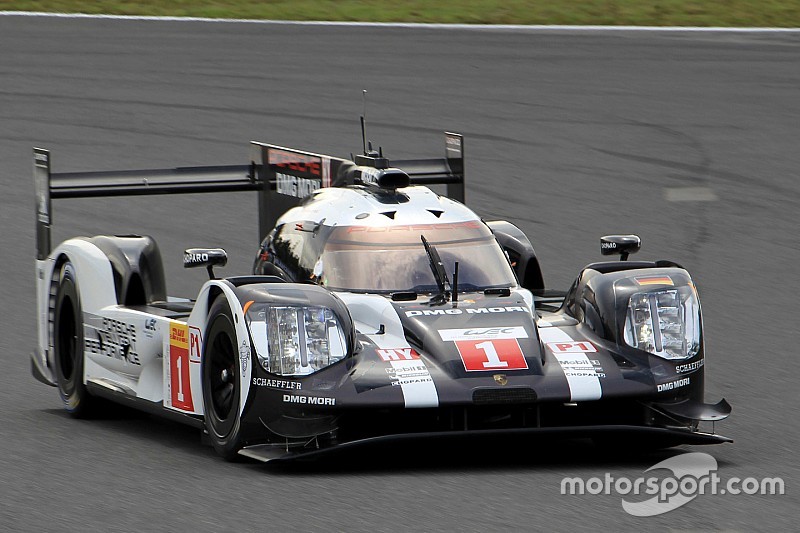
x,y
377,310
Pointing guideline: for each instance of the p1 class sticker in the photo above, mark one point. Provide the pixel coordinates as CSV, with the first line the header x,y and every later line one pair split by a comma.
x,y
571,347
195,344
582,378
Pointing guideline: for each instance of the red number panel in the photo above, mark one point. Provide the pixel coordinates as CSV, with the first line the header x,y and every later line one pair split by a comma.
x,y
180,389
491,354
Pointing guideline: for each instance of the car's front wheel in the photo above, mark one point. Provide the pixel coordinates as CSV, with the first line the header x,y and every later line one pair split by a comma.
x,y
221,381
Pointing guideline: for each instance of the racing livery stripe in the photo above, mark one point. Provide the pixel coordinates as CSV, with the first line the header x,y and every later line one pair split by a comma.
x,y
578,368
412,376
416,383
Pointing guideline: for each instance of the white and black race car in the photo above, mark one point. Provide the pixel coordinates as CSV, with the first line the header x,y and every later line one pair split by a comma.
x,y
377,310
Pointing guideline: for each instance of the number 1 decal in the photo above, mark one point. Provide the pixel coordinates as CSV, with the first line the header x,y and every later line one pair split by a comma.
x,y
180,384
491,354
179,363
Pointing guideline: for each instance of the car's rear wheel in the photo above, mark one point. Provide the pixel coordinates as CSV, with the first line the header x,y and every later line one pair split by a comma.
x,y
68,345
221,381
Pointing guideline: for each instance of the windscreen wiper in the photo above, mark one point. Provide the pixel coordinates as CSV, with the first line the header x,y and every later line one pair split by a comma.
x,y
439,272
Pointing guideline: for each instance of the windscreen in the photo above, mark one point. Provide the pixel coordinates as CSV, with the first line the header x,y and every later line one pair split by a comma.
x,y
393,259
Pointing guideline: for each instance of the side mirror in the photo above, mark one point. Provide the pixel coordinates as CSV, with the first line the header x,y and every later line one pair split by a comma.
x,y
207,257
620,244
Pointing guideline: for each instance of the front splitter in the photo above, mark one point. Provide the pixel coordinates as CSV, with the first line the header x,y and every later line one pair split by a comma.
x,y
660,437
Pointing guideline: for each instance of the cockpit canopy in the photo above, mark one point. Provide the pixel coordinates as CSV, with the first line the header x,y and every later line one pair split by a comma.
x,y
388,258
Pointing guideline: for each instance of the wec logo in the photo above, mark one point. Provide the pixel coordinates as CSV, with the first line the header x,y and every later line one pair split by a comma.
x,y
490,332
499,332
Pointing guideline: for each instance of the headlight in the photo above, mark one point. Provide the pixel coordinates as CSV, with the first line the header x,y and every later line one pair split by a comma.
x,y
296,341
665,323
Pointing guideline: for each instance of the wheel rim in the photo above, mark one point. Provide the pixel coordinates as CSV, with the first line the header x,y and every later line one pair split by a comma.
x,y
222,377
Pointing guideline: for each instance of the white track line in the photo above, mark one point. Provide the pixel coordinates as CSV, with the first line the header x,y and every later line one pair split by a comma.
x,y
478,27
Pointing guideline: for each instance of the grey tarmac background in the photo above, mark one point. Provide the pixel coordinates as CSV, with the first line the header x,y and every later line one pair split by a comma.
x,y
569,134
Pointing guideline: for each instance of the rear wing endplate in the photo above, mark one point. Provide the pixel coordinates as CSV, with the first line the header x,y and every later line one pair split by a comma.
x,y
282,177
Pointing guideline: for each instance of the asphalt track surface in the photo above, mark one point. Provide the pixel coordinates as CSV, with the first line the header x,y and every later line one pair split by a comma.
x,y
570,135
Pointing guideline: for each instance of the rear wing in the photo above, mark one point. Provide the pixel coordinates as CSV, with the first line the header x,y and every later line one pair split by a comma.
x,y
50,186
281,176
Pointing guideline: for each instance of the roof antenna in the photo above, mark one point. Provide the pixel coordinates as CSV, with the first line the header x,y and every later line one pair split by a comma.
x,y
364,122
455,283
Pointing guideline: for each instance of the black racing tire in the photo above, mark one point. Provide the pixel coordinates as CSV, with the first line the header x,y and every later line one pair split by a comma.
x,y
221,381
68,345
